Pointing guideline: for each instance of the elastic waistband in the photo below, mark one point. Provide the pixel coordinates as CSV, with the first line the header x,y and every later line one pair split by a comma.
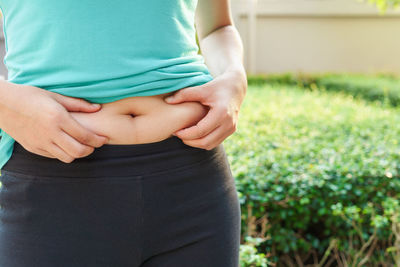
x,y
111,160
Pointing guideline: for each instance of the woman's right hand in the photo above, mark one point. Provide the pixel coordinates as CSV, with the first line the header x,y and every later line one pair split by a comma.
x,y
40,121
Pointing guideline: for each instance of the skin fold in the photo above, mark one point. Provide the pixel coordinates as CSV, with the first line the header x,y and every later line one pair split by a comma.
x,y
138,120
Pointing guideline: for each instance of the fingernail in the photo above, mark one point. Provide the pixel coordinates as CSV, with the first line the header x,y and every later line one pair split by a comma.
x,y
170,98
95,105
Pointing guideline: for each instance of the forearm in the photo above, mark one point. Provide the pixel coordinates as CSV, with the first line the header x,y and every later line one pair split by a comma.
x,y
222,50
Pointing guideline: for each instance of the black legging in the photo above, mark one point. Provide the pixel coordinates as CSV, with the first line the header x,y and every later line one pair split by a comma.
x,y
162,204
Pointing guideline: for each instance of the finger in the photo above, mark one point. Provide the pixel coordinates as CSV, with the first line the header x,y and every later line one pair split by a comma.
x,y
40,152
81,134
76,104
44,153
60,154
210,141
195,93
72,146
205,126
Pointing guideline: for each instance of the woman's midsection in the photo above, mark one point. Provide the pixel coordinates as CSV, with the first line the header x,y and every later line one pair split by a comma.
x,y
143,119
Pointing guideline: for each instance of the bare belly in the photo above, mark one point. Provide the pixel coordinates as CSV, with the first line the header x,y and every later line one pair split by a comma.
x,y
141,119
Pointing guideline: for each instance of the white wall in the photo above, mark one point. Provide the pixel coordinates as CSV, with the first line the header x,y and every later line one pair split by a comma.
x,y
318,35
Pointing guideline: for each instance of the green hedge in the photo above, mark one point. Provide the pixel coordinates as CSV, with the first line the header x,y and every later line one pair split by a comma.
x,y
315,167
378,87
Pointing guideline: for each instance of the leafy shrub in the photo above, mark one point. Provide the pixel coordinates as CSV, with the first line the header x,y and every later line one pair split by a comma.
x,y
249,256
297,154
384,88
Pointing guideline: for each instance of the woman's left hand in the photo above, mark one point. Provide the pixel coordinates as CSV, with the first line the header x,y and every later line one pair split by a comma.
x,y
224,96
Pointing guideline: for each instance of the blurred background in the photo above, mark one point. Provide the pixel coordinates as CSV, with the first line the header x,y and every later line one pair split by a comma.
x,y
316,156
317,35
312,35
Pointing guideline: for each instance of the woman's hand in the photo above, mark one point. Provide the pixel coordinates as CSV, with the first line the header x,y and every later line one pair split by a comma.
x,y
224,96
39,120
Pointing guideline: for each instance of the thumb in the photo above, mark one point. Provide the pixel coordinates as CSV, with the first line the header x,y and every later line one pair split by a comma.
x,y
77,104
194,93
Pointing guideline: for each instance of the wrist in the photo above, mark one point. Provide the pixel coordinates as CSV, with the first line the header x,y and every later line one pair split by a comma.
x,y
237,68
10,97
237,72
4,92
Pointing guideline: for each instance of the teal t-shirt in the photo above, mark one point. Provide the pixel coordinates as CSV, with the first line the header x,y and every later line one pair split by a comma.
x,y
99,50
